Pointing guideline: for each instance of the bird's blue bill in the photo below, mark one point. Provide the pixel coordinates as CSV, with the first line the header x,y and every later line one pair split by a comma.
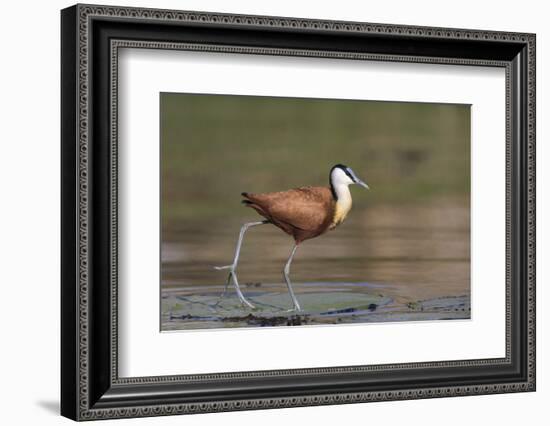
x,y
363,184
357,180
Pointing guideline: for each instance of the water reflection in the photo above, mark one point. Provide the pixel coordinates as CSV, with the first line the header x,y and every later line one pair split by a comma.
x,y
412,252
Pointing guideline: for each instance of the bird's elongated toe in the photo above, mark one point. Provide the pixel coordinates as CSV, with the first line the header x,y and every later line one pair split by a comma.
x,y
247,303
296,309
232,277
220,268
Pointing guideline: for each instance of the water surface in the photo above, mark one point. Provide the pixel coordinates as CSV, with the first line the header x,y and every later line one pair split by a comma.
x,y
385,263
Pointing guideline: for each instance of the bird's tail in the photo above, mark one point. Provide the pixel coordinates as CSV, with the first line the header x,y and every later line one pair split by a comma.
x,y
251,201
246,201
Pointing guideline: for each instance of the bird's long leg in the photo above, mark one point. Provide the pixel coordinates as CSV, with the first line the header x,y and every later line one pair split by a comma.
x,y
233,267
286,271
224,288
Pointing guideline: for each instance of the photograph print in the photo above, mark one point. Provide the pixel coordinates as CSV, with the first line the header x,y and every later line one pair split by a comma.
x,y
304,211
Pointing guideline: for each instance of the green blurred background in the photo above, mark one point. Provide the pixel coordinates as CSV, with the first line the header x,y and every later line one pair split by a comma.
x,y
410,232
214,147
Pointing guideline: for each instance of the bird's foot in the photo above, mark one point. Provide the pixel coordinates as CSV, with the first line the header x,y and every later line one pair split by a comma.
x,y
247,303
242,299
233,277
295,309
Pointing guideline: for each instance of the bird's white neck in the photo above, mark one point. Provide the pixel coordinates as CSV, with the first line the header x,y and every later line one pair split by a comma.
x,y
342,192
343,203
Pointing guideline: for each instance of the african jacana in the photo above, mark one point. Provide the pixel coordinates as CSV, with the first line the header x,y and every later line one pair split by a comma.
x,y
303,213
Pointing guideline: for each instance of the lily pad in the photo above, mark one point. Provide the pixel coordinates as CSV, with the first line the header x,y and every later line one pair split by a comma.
x,y
322,303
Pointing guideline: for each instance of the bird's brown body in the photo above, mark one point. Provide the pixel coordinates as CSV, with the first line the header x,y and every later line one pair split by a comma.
x,y
303,213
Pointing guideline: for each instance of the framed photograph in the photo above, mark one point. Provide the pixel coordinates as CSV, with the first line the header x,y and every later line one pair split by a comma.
x,y
263,212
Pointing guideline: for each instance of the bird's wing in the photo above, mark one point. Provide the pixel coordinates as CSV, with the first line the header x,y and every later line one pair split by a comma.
x,y
306,208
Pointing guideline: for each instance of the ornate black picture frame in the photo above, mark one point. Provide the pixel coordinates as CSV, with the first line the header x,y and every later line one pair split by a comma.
x,y
91,36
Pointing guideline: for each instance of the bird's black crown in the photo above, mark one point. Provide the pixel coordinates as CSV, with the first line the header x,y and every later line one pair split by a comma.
x,y
339,166
344,168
